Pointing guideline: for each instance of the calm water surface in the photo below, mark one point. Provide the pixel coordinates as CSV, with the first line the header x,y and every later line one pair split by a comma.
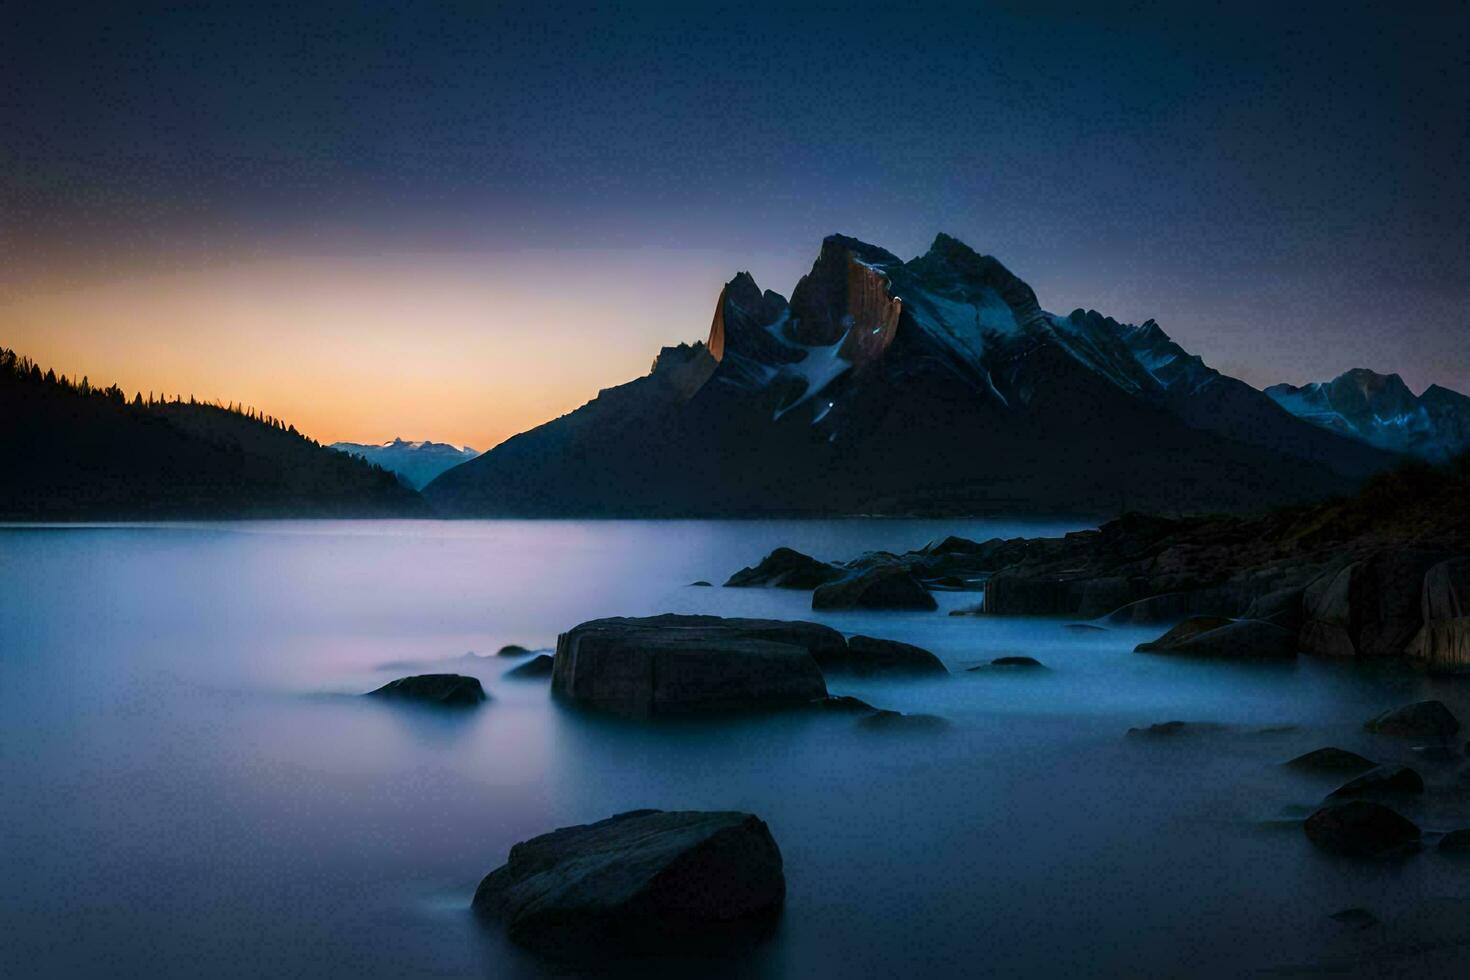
x,y
189,790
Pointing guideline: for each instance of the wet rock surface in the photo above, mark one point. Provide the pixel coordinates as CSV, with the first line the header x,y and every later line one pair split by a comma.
x,y
786,568
1424,718
1381,781
647,881
436,690
869,656
1331,760
673,665
1361,828
538,667
882,587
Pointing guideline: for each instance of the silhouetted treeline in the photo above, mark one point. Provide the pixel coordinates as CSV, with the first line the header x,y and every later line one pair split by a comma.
x,y
73,451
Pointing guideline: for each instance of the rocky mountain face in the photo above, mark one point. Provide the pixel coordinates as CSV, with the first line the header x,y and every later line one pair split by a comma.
x,y
1380,410
933,386
415,463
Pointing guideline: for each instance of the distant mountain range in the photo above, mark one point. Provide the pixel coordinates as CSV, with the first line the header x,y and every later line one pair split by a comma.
x,y
1380,410
69,451
933,386
416,463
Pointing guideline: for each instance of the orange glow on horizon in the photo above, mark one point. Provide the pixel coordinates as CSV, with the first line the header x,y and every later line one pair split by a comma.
x,y
468,349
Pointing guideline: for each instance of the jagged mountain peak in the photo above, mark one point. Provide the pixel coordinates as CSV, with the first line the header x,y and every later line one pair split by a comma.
x,y
933,385
1381,410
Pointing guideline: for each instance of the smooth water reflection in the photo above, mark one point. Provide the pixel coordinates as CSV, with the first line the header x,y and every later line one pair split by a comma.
x,y
190,790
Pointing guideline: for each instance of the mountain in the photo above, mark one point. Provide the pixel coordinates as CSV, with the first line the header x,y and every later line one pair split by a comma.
x,y
933,386
416,463
1379,409
73,452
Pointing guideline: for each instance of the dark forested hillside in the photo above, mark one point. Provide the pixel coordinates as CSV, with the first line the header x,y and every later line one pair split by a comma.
x,y
69,451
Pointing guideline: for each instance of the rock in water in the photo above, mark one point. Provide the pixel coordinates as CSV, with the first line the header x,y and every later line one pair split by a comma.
x,y
672,665
445,690
1166,728
1359,828
1456,841
881,587
1424,718
533,669
1381,781
1191,627
1331,759
868,656
786,568
884,720
1015,662
1245,639
639,882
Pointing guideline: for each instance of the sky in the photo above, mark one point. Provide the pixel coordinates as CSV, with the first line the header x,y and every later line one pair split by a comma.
x,y
455,221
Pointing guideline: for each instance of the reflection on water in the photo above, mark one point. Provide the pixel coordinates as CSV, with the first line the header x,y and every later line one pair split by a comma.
x,y
188,790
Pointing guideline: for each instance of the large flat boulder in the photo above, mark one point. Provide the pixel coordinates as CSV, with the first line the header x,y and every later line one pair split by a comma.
x,y
786,568
640,882
881,587
679,665
435,690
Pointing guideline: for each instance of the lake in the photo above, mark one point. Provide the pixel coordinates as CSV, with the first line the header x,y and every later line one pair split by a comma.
x,y
191,789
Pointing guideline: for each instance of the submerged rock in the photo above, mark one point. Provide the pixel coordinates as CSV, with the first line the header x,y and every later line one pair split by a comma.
x,y
1457,841
881,587
1244,639
1421,718
640,882
1331,759
896,721
1167,728
1188,629
443,690
671,665
786,568
1361,828
536,668
1008,662
701,584
1381,781
868,656
845,704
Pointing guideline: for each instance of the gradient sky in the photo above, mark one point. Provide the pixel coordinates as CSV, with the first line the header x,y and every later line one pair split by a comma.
x,y
457,220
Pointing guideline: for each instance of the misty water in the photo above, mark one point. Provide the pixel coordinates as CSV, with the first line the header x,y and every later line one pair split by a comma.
x,y
191,788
